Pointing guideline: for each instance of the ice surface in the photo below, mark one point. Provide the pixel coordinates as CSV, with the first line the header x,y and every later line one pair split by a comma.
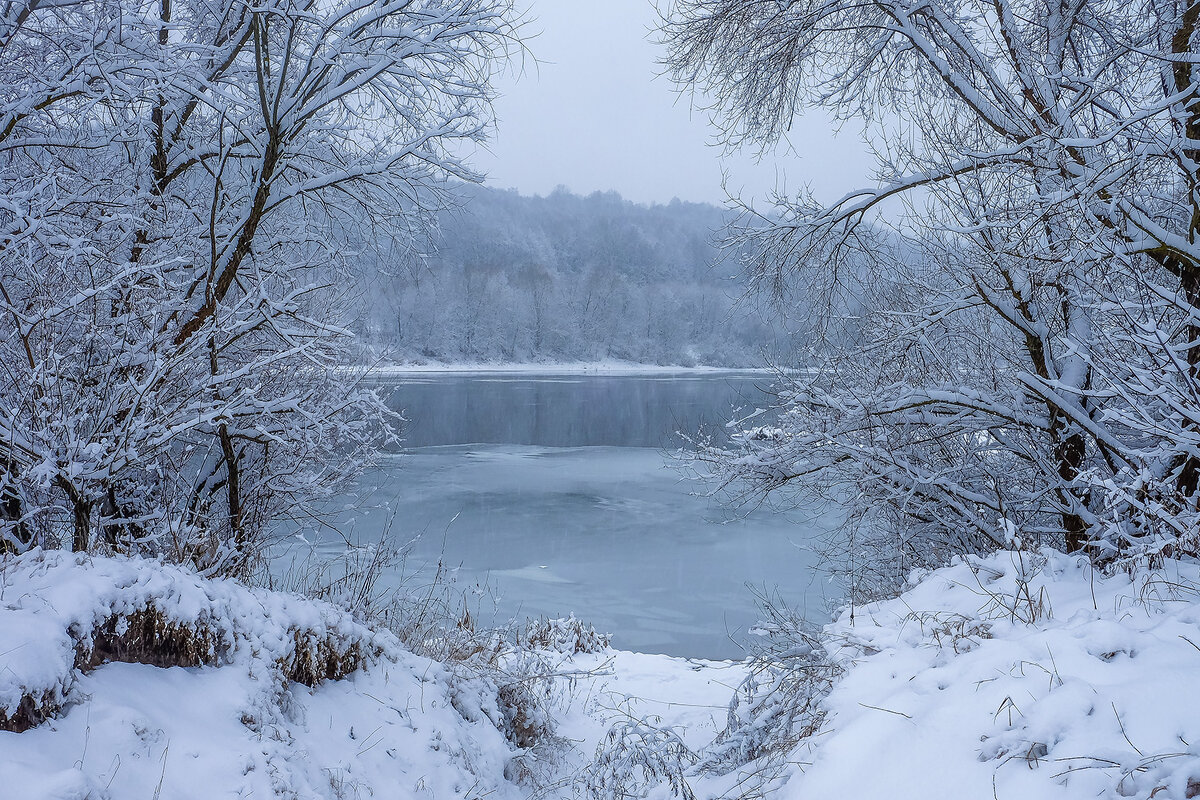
x,y
555,494
609,533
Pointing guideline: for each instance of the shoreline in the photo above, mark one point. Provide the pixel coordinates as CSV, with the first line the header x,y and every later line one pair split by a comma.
x,y
597,368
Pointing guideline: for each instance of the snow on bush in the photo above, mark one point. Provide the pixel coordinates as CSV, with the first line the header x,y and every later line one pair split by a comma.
x,y
780,702
636,753
563,635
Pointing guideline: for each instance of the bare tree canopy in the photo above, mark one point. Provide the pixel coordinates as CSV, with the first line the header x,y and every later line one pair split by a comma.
x,y
1027,365
179,182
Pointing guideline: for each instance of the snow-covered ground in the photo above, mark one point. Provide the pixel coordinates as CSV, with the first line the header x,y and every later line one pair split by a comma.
x,y
234,727
402,726
1016,676
1019,675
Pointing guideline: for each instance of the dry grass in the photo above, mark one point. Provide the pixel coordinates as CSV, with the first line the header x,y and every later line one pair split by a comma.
x,y
148,636
437,620
31,711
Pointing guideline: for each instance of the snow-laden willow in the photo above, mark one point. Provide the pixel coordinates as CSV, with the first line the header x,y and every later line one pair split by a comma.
x,y
1024,361
178,179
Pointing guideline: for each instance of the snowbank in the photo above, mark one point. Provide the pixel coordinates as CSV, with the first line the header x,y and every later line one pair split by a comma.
x,y
236,724
1020,675
64,613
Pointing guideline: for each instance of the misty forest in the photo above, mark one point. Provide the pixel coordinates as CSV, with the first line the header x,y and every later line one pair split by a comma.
x,y
433,399
564,278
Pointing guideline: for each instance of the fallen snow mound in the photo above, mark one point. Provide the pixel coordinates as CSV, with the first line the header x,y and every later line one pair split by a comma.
x,y
65,613
232,718
1020,675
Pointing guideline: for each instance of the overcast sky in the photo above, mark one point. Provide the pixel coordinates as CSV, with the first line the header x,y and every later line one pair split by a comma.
x,y
594,114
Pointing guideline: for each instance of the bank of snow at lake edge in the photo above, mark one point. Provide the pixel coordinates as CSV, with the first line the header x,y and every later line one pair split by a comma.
x,y
1019,675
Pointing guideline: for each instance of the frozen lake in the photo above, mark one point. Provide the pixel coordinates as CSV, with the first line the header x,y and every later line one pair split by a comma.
x,y
547,495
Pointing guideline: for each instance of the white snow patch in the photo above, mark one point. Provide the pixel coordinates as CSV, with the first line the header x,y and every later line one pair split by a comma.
x,y
1021,675
400,727
1018,675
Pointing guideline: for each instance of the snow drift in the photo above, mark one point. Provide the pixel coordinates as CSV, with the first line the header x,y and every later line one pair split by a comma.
x,y
1018,675
230,715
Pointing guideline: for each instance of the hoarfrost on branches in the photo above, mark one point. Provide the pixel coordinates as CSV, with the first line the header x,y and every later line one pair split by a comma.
x,y
180,181
1024,354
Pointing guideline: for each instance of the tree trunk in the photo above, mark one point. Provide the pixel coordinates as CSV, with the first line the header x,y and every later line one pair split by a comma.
x,y
11,514
81,538
1069,454
233,494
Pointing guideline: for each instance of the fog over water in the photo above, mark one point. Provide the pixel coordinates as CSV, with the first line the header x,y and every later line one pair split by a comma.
x,y
554,494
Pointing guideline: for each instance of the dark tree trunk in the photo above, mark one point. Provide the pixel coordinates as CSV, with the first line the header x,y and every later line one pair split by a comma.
x,y
11,514
233,492
1188,480
81,538
118,530
1069,454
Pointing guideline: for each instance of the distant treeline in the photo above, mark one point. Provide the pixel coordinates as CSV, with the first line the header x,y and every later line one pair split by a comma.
x,y
566,278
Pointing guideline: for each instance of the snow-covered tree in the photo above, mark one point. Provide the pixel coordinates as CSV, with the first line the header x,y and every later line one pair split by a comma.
x,y
181,180
1028,359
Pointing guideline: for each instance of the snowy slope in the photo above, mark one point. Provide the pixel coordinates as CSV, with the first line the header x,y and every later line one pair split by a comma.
x,y
235,728
57,607
1016,676
401,727
142,731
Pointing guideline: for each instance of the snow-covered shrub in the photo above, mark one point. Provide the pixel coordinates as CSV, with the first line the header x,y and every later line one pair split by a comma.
x,y
1145,520
513,695
174,336
635,756
566,635
1014,348
523,696
780,702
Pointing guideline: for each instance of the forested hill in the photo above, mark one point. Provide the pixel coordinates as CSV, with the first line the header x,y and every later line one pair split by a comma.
x,y
568,278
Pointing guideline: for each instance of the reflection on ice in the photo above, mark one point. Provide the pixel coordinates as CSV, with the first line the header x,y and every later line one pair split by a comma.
x,y
534,572
609,533
571,411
